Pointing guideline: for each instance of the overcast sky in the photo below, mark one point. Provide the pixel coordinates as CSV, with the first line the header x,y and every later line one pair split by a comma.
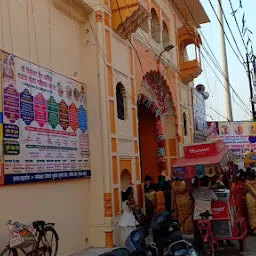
x,y
237,74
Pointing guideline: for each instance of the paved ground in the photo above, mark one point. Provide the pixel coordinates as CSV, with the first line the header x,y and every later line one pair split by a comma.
x,y
251,250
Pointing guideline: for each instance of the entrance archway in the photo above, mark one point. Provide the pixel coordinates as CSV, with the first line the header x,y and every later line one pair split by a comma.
x,y
151,107
148,143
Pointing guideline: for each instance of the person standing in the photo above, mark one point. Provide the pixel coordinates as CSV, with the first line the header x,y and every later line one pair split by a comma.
x,y
159,201
127,222
182,205
168,195
149,189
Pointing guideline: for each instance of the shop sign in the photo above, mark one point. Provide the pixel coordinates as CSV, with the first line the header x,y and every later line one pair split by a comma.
x,y
220,210
204,150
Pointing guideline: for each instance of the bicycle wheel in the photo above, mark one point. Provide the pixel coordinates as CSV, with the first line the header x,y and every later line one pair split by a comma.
x,y
50,241
9,252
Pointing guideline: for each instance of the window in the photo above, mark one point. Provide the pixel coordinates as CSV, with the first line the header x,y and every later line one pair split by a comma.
x,y
165,36
120,100
155,26
185,124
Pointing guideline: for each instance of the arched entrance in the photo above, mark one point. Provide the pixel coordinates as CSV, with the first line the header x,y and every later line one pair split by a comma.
x,y
148,143
151,108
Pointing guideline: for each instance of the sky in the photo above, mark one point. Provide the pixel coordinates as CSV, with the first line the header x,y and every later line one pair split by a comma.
x,y
237,74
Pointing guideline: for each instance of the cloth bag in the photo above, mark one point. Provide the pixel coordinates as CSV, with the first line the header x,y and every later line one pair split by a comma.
x,y
21,238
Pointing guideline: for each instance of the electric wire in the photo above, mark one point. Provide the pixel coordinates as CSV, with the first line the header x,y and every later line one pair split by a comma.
x,y
231,32
218,63
242,62
103,55
237,25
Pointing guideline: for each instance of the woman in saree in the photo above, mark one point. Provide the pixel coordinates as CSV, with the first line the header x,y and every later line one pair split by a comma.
x,y
159,201
251,202
149,189
182,204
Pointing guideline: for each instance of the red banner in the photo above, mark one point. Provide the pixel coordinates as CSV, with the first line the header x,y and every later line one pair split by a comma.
x,y
204,150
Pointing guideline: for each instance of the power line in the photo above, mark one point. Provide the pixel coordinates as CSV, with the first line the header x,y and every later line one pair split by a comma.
x,y
226,34
234,15
103,53
220,79
216,59
119,11
231,32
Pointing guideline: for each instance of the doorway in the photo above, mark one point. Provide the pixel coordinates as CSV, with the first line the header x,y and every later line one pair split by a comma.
x,y
148,143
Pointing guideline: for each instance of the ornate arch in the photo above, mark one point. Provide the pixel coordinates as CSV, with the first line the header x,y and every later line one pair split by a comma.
x,y
156,82
126,171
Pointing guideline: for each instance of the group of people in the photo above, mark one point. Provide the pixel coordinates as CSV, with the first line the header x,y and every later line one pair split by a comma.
x,y
187,200
245,195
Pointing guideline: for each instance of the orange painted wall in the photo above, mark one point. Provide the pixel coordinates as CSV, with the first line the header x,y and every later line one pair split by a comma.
x,y
149,62
148,143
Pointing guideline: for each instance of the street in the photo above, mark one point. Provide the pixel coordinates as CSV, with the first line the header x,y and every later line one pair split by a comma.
x,y
251,250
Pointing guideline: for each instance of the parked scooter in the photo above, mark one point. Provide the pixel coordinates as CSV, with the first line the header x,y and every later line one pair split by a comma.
x,y
135,246
168,238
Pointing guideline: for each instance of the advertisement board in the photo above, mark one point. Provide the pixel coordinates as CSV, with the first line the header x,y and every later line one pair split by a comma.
x,y
45,134
200,123
238,136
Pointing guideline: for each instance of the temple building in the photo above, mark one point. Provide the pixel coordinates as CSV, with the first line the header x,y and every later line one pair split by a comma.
x,y
137,60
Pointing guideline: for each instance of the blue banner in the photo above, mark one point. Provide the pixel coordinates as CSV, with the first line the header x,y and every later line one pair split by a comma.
x,y
48,176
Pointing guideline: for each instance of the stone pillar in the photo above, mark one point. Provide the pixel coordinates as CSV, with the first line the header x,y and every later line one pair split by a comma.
x,y
103,101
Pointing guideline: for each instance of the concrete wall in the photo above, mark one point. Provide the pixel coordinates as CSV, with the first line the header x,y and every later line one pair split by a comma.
x,y
42,34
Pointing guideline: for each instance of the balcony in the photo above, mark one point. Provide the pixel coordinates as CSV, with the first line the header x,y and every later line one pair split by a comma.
x,y
128,16
189,68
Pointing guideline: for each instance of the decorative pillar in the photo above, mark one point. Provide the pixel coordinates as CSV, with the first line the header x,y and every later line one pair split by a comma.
x,y
103,101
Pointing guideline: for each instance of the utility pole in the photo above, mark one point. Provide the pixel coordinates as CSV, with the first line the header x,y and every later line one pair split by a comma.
x,y
225,65
250,85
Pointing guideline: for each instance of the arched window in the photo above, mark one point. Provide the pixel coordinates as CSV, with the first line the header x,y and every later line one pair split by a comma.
x,y
155,26
120,100
165,35
185,124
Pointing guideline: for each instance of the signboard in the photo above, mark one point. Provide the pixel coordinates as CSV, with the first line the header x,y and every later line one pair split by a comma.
x,y
236,135
204,150
44,124
200,122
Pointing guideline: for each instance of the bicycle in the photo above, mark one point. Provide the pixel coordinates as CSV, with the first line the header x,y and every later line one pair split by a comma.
x,y
41,247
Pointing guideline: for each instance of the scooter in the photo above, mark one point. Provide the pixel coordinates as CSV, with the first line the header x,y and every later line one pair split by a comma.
x,y
135,246
168,238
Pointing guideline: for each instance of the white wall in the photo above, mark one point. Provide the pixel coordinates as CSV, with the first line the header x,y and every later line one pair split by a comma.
x,y
56,42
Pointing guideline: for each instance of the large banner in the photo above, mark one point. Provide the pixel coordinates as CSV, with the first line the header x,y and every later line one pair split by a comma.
x,y
44,126
200,123
236,135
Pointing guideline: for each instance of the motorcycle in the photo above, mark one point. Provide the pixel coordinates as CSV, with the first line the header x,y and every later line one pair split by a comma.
x,y
168,238
135,246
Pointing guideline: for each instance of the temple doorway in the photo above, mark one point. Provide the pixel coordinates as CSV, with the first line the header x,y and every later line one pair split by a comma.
x,y
148,143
